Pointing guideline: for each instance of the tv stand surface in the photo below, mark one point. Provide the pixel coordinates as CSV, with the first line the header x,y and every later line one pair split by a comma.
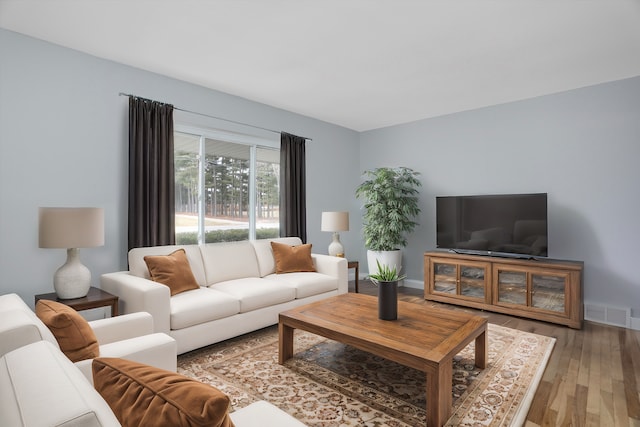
x,y
539,288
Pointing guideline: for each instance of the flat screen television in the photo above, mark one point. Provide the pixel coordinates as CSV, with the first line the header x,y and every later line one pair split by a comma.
x,y
504,224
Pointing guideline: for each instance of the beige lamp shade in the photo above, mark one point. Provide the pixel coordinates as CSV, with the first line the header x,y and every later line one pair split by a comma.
x,y
71,227
335,221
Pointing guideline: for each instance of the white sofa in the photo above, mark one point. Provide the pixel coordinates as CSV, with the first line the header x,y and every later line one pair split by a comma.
x,y
239,290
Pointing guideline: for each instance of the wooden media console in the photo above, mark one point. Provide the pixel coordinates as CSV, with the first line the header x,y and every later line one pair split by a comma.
x,y
541,288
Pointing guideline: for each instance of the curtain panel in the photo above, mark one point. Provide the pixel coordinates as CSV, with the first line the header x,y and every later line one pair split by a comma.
x,y
151,174
293,195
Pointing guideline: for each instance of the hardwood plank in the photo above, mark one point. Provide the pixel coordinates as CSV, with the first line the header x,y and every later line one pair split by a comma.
x,y
581,403
628,347
550,418
593,397
540,403
620,415
606,408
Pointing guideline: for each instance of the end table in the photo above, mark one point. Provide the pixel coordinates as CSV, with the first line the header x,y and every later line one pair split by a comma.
x,y
94,299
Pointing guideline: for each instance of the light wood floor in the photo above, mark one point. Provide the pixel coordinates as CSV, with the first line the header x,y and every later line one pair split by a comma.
x,y
593,374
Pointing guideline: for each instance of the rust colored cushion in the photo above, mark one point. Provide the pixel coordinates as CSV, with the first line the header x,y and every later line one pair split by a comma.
x,y
172,270
142,395
291,259
74,335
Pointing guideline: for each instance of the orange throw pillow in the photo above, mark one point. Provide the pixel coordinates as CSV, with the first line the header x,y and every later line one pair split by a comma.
x,y
292,259
143,395
73,333
172,270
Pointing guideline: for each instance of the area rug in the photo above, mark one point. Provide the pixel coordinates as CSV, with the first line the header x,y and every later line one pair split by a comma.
x,y
331,384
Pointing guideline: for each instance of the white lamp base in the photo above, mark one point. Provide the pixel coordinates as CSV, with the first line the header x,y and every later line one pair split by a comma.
x,y
73,279
336,248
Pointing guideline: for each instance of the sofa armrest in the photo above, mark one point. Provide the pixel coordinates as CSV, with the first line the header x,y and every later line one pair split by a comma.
x,y
139,294
123,327
335,267
17,329
159,350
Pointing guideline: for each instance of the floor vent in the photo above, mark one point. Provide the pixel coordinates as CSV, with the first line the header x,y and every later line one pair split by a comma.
x,y
608,315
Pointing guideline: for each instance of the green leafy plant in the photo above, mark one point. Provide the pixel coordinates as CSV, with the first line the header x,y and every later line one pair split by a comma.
x,y
390,202
386,274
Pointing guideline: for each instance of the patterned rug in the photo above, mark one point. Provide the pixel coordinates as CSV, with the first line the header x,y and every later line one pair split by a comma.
x,y
331,384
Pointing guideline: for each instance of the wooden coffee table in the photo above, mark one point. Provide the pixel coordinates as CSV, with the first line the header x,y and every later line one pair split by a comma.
x,y
423,338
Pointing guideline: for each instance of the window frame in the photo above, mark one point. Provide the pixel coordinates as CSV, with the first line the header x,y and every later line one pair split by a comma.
x,y
253,142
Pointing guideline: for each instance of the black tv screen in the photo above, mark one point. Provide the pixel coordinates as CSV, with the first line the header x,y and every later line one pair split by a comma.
x,y
509,224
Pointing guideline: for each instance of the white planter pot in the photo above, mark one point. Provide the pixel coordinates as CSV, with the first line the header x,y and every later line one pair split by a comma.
x,y
389,258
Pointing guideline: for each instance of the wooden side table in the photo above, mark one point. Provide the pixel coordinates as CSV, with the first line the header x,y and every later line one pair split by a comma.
x,y
356,265
95,298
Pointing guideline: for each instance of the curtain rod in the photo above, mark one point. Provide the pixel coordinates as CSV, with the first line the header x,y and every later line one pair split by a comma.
x,y
212,117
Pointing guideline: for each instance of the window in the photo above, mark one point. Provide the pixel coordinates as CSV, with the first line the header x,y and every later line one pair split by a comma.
x,y
227,187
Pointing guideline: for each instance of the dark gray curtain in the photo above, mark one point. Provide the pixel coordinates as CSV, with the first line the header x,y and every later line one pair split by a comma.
x,y
293,195
151,174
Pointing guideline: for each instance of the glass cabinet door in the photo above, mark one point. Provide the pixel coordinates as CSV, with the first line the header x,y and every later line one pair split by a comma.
x,y
512,287
472,281
445,278
548,292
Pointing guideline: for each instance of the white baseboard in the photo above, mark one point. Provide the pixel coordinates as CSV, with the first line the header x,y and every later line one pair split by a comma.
x,y
635,323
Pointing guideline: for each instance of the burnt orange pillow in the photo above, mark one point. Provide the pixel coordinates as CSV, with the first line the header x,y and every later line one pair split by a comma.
x,y
73,333
143,395
291,259
172,270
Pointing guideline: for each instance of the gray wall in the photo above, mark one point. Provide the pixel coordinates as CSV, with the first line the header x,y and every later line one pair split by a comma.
x,y
63,142
581,147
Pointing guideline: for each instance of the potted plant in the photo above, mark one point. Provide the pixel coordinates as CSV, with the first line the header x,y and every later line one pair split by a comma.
x,y
386,279
391,203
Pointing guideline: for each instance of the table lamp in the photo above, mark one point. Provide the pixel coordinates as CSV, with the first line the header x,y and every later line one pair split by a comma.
x,y
335,222
71,228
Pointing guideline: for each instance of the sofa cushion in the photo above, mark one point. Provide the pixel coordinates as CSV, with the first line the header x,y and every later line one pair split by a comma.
x,y
201,306
254,292
264,253
73,333
228,261
138,267
290,259
306,284
39,386
172,270
142,395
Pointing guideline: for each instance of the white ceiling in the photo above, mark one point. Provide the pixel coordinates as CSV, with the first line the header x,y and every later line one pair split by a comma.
x,y
361,64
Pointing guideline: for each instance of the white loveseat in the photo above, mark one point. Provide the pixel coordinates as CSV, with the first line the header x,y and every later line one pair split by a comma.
x,y
239,290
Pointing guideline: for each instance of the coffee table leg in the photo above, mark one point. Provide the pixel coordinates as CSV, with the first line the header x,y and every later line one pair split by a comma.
x,y
285,343
481,350
439,398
